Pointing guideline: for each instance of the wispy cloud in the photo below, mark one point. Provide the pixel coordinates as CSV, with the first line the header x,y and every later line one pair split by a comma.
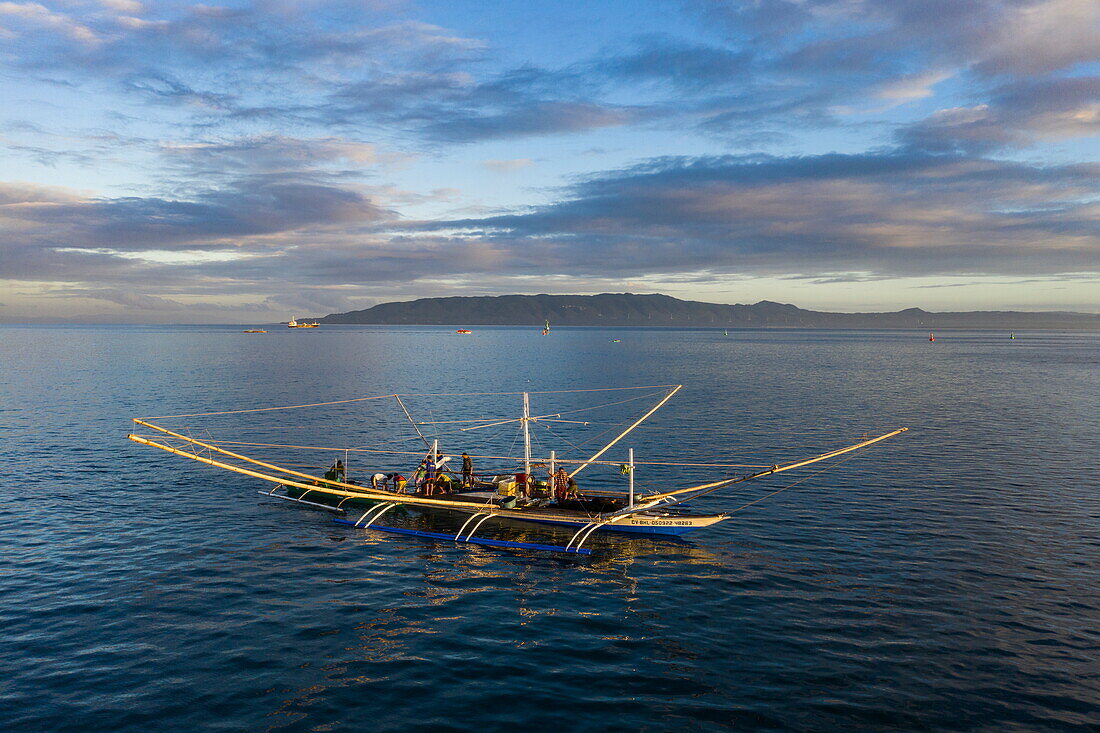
x,y
299,155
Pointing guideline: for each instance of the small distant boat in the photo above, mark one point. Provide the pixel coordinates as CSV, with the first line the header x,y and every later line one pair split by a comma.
x,y
463,330
255,330
293,323
931,337
546,328
1012,335
616,341
725,332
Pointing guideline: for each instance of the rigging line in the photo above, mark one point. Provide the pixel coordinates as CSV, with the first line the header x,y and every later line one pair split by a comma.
x,y
561,459
501,421
267,409
410,394
546,391
391,452
689,464
624,433
412,421
597,436
609,404
796,483
513,445
559,437
710,488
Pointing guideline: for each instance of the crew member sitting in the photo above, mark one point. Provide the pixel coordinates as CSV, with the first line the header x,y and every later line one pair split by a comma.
x,y
336,473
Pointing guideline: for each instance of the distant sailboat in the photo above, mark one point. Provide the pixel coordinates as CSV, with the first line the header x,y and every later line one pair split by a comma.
x,y
725,332
546,329
931,337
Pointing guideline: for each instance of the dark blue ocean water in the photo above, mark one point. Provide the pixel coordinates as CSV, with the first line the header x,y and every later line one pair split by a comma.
x,y
945,580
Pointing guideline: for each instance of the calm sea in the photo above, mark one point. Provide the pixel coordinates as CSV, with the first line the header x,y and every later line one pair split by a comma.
x,y
945,580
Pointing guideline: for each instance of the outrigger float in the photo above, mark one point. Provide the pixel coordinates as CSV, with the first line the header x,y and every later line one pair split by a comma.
x,y
485,498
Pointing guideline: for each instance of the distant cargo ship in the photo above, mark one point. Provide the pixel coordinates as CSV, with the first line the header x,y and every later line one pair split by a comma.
x,y
293,323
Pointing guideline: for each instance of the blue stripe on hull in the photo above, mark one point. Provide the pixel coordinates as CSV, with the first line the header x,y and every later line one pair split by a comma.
x,y
474,541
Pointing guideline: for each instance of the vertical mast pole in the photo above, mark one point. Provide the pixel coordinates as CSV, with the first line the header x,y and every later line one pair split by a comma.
x,y
630,454
429,485
526,436
553,470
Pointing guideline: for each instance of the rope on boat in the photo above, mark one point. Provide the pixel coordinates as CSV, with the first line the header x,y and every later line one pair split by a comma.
x,y
488,457
792,485
269,409
411,394
412,421
543,417
623,434
715,485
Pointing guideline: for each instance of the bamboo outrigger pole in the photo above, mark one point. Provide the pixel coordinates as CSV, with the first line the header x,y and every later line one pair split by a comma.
x,y
356,491
706,488
622,435
225,452
663,500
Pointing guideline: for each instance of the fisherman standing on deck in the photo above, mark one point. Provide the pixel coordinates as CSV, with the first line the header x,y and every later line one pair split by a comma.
x,y
419,475
467,470
565,486
429,474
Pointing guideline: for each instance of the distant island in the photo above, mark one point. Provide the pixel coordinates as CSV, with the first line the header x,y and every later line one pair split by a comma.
x,y
626,309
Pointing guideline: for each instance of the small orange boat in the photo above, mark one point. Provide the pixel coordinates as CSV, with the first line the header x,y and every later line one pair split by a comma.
x,y
463,330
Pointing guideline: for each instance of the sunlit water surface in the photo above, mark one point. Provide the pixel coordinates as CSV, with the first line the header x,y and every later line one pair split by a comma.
x,y
947,579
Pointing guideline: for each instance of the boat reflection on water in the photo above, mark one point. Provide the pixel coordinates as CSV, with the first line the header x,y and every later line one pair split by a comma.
x,y
607,552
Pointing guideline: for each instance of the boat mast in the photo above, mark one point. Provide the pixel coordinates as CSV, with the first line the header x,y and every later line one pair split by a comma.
x,y
631,474
526,436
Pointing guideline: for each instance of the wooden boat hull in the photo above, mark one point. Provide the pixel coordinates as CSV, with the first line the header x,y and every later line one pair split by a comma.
x,y
646,525
650,523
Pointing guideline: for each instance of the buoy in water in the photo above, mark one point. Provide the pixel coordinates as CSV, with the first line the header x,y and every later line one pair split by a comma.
x,y
931,337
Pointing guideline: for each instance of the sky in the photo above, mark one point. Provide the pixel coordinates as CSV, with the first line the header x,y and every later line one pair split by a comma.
x,y
251,162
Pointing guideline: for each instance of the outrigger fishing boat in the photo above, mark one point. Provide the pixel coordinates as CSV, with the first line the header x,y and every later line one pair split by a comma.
x,y
502,496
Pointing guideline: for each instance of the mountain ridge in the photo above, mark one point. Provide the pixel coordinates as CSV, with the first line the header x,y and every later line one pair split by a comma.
x,y
659,310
